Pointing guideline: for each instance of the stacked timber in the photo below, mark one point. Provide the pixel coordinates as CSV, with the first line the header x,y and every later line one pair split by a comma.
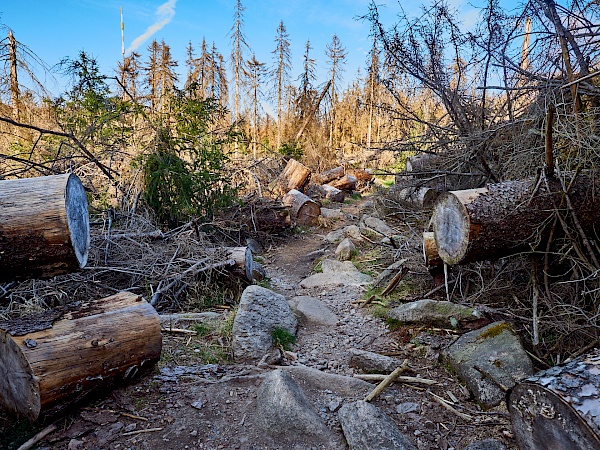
x,y
55,360
505,218
44,227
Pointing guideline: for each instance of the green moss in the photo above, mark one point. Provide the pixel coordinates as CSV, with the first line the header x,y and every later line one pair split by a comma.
x,y
282,338
495,330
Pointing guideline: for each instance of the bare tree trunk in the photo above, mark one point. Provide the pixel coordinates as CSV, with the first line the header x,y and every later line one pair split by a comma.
x,y
14,81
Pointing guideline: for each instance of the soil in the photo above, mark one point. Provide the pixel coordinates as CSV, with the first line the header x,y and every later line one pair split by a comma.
x,y
186,403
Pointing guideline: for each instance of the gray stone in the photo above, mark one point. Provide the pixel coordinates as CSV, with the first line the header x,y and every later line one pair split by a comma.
x,y
487,444
106,435
346,250
497,351
313,310
329,213
372,362
335,236
260,311
336,273
366,427
379,225
407,407
353,232
439,313
315,380
284,412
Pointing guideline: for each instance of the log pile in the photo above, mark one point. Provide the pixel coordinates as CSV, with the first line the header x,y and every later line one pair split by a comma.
x,y
59,358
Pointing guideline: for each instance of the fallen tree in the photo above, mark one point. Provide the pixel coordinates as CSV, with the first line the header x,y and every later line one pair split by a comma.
x,y
559,408
44,227
506,218
58,358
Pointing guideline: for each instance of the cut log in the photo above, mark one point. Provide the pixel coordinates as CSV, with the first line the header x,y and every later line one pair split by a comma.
x,y
44,227
294,176
362,175
242,257
50,364
559,407
506,218
346,183
430,251
304,210
330,175
420,197
334,194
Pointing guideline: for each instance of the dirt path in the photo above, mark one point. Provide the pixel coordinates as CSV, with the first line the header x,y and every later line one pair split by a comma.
x,y
190,405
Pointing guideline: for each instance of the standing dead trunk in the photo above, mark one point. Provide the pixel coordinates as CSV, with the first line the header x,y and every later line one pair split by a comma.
x,y
304,210
506,218
44,227
52,361
14,81
559,408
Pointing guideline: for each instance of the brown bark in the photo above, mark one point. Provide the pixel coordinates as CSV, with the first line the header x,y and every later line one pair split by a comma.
x,y
362,175
54,364
294,176
346,183
242,258
304,210
329,175
44,227
506,218
558,408
430,251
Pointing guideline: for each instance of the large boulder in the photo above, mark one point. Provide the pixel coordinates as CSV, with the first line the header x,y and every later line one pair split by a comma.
x,y
284,412
433,312
487,359
346,250
260,312
366,427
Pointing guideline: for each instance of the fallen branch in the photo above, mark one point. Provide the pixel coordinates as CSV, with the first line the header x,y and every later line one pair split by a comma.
x,y
38,437
395,281
399,379
146,430
387,381
449,407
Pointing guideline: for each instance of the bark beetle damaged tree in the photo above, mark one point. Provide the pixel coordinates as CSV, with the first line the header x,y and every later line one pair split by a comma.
x,y
505,218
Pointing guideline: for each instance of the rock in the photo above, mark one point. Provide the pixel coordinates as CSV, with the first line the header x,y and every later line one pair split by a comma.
x,y
313,310
106,435
366,427
439,313
353,232
335,236
329,213
370,362
407,407
260,311
336,273
315,380
379,225
284,412
497,351
75,444
346,250
388,273
487,444
254,246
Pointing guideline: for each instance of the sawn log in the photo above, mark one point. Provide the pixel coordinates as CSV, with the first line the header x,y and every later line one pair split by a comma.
x,y
44,227
52,363
506,218
559,408
304,210
295,175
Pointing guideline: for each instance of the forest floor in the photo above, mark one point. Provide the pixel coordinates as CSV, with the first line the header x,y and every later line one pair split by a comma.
x,y
186,403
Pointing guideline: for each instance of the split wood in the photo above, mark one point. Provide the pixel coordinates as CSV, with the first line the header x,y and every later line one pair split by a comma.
x,y
387,381
395,281
399,379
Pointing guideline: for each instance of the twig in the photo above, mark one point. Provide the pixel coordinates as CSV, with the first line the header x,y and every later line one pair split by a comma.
x,y
449,407
387,381
399,379
146,430
486,374
439,288
38,437
179,330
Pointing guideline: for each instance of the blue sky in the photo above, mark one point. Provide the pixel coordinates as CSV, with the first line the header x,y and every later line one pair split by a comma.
x,y
57,29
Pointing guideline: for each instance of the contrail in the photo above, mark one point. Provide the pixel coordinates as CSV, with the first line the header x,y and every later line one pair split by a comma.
x,y
165,14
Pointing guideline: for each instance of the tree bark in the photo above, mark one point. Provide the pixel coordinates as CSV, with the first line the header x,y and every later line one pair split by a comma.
x,y
294,176
559,408
57,360
44,227
362,175
330,175
419,197
346,183
242,256
506,218
304,210
430,251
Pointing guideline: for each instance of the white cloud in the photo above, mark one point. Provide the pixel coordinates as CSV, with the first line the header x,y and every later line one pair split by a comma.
x,y
164,14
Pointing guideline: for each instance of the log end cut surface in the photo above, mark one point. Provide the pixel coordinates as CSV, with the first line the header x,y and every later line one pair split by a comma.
x,y
451,225
78,219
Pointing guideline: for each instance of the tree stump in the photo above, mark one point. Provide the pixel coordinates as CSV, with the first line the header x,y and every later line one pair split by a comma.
x,y
304,210
44,227
559,408
59,358
506,218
